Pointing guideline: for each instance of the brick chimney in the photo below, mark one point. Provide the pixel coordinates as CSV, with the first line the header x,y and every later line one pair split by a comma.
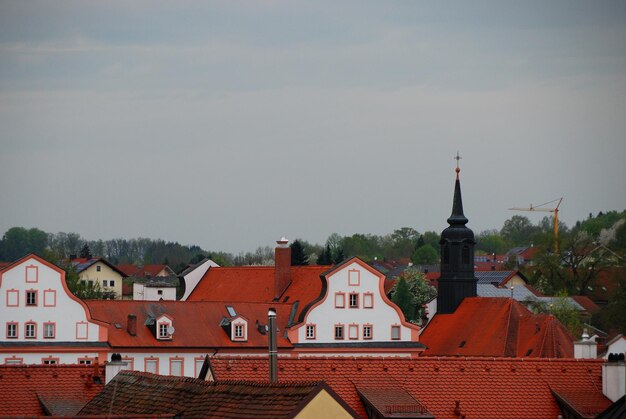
x,y
282,267
131,325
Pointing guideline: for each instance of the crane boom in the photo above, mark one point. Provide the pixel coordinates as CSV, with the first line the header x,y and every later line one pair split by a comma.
x,y
554,210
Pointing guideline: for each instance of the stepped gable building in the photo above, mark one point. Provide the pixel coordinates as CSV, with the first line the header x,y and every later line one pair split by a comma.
x,y
457,279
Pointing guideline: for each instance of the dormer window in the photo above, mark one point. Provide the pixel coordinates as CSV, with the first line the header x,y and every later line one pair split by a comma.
x,y
165,328
239,331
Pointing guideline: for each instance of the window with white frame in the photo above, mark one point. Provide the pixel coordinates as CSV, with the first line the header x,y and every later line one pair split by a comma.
x,y
12,330
339,331
85,361
13,361
395,332
163,331
176,367
51,361
353,331
340,300
354,300
368,300
310,331
239,331
152,365
30,330
367,331
49,330
31,298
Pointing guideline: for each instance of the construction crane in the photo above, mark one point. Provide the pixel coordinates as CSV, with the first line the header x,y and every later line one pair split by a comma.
x,y
554,210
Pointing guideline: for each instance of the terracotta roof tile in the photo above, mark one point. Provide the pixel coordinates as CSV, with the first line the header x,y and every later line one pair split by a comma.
x,y
132,392
485,387
483,326
188,317
63,389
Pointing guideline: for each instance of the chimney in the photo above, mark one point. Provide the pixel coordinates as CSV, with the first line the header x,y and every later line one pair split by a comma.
x,y
271,314
613,377
586,347
114,366
131,325
282,267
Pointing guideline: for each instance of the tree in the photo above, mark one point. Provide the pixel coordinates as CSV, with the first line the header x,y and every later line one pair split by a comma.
x,y
403,299
298,255
425,255
18,242
490,241
518,231
85,252
325,257
420,292
85,290
561,308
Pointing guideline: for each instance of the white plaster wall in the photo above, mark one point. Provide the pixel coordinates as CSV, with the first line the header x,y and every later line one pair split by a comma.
x,y
618,347
66,313
189,366
193,278
325,316
36,358
152,293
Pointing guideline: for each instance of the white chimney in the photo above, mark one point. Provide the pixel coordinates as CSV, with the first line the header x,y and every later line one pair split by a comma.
x,y
114,366
614,377
586,347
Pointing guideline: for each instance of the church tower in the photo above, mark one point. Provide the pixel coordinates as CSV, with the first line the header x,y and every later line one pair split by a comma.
x,y
457,242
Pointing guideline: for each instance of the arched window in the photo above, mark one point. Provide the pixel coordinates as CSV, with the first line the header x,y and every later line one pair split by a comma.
x,y
465,255
446,254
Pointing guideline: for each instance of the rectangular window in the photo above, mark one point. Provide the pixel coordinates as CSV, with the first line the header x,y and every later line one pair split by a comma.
x,y
105,283
354,277
310,331
163,331
395,332
198,363
368,300
50,361
30,330
13,361
111,283
239,331
49,298
176,367
130,361
340,300
152,365
12,330
13,298
32,273
98,268
353,331
31,298
354,300
85,361
49,330
339,331
159,292
367,331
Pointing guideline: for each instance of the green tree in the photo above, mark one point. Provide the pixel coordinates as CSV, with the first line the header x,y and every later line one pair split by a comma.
x,y
298,254
562,308
490,242
403,299
425,255
420,292
325,257
85,252
518,231
18,242
85,290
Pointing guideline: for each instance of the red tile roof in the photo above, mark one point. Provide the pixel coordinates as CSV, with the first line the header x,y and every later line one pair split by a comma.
x,y
485,387
256,284
63,389
132,392
141,271
188,319
586,303
485,326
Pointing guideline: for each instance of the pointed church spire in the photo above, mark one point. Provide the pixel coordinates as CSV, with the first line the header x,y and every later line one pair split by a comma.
x,y
457,218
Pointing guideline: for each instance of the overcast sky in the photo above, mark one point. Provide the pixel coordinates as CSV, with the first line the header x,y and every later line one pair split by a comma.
x,y
229,124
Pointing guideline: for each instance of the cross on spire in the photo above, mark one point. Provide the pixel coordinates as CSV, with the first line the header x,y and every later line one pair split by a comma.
x,y
458,169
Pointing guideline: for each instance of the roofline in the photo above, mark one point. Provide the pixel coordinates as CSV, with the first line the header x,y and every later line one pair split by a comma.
x,y
106,262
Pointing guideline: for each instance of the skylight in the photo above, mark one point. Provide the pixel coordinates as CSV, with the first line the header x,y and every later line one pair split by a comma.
x,y
231,311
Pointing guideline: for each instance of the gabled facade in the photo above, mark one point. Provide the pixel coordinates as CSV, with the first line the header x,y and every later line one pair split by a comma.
x,y
353,313
41,321
100,271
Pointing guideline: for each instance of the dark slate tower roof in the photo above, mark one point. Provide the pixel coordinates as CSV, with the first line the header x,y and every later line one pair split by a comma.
x,y
457,242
